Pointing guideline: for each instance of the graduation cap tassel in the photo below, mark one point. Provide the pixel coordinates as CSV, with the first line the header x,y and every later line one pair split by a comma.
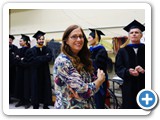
x,y
96,38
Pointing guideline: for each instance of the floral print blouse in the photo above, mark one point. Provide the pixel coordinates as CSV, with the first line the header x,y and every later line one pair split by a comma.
x,y
64,75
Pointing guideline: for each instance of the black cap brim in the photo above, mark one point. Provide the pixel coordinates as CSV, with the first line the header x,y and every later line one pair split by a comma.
x,y
99,32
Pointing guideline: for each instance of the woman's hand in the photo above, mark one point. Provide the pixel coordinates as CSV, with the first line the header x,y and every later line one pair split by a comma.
x,y
101,75
101,78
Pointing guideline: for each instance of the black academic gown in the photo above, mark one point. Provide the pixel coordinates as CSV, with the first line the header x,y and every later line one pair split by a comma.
x,y
22,84
55,48
40,75
13,50
125,59
99,58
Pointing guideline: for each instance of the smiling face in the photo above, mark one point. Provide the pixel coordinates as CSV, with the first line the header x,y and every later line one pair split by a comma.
x,y
40,40
75,40
135,35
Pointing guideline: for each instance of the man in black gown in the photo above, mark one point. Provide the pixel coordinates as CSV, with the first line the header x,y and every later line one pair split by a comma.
x,y
39,57
130,65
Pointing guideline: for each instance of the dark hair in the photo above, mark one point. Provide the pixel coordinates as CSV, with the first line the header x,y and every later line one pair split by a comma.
x,y
82,60
39,36
28,45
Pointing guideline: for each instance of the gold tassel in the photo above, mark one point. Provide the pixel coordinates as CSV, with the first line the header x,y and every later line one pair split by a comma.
x,y
96,38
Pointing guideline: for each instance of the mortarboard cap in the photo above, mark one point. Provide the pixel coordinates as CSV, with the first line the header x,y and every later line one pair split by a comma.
x,y
38,33
134,24
93,32
12,37
25,37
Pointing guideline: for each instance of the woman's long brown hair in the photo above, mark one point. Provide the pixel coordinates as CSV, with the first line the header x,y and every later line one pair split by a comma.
x,y
82,60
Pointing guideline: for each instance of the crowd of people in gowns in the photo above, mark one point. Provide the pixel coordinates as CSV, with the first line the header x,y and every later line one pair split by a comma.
x,y
29,79
79,73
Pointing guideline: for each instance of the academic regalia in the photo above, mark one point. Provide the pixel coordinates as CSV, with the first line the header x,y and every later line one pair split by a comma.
x,y
22,85
126,58
40,75
95,32
99,58
12,67
38,34
12,37
55,48
134,24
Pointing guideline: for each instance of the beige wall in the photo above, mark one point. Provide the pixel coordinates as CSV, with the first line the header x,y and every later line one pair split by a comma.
x,y
54,22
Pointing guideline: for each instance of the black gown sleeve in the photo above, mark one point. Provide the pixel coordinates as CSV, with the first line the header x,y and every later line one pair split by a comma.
x,y
13,51
31,57
44,58
28,58
100,60
121,67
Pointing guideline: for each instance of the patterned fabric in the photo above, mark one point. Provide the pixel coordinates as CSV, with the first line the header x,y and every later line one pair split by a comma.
x,y
64,75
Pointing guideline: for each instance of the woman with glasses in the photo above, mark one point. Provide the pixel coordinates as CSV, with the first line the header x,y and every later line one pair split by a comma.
x,y
75,83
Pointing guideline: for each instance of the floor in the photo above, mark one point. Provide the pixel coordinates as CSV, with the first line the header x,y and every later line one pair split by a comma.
x,y
12,105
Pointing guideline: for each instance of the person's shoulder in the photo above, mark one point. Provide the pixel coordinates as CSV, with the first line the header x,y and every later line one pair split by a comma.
x,y
122,50
142,45
63,58
46,48
103,48
98,48
14,46
32,49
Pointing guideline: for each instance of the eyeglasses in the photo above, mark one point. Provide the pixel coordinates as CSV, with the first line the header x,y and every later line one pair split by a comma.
x,y
75,37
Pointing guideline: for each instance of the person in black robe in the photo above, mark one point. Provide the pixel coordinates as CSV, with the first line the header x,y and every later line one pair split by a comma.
x,y
130,65
99,58
55,48
13,50
39,57
22,84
